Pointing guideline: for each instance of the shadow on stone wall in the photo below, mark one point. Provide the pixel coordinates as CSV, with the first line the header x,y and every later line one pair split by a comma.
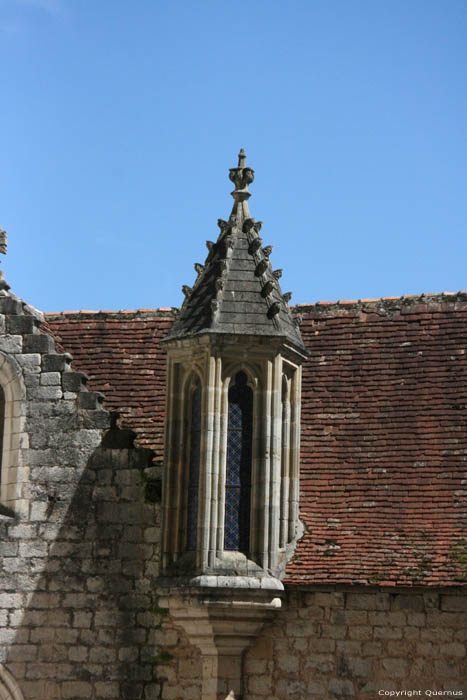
x,y
90,625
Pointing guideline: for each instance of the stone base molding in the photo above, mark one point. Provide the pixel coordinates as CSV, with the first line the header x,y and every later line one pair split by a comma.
x,y
223,620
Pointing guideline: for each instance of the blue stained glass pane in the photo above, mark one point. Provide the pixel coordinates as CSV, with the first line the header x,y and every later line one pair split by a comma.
x,y
193,480
238,467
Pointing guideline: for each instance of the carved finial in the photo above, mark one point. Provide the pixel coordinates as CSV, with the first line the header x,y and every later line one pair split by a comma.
x,y
241,176
3,241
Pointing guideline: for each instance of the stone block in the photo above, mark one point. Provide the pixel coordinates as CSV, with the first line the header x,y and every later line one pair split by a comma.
x,y
454,603
55,362
412,602
11,600
349,647
89,400
288,663
109,689
82,619
436,634
4,618
334,631
320,663
102,655
31,362
396,668
11,344
50,378
453,649
387,633
22,652
20,325
287,688
393,619
260,684
322,646
46,393
341,688
76,689
8,305
38,343
367,601
360,632
358,667
73,381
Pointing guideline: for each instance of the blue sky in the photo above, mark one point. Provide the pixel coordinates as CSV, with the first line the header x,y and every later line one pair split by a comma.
x,y
119,120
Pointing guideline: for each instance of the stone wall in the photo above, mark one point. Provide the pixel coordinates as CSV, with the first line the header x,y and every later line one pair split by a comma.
x,y
363,644
77,612
79,531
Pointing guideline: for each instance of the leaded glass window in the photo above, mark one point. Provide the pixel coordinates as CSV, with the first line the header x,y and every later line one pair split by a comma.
x,y
193,468
238,467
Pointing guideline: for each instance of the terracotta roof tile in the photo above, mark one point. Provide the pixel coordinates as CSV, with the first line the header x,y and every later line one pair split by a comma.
x,y
384,442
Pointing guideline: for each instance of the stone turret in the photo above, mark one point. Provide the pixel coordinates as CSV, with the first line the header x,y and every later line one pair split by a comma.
x,y
231,473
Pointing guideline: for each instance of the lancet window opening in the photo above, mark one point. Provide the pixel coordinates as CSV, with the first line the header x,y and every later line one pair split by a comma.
x,y
194,458
238,465
285,462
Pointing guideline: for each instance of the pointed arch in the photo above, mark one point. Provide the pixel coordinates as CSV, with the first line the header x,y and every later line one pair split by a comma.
x,y
9,688
13,473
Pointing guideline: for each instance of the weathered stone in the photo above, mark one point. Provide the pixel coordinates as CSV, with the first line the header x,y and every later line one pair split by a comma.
x,y
20,325
38,343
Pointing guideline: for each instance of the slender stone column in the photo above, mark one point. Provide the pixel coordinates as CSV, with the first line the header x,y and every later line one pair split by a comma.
x,y
275,473
295,411
285,466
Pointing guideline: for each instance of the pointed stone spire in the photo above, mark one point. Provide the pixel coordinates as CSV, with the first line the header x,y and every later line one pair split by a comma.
x,y
236,291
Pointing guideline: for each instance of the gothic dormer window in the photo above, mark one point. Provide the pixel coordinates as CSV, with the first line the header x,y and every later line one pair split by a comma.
x,y
232,455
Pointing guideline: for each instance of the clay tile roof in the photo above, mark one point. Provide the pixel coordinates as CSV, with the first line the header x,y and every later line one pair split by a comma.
x,y
121,354
384,442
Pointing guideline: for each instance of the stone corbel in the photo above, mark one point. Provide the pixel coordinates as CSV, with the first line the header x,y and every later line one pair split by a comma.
x,y
223,616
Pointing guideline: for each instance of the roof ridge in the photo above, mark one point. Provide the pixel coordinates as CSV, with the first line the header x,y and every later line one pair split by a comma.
x,y
404,298
164,311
